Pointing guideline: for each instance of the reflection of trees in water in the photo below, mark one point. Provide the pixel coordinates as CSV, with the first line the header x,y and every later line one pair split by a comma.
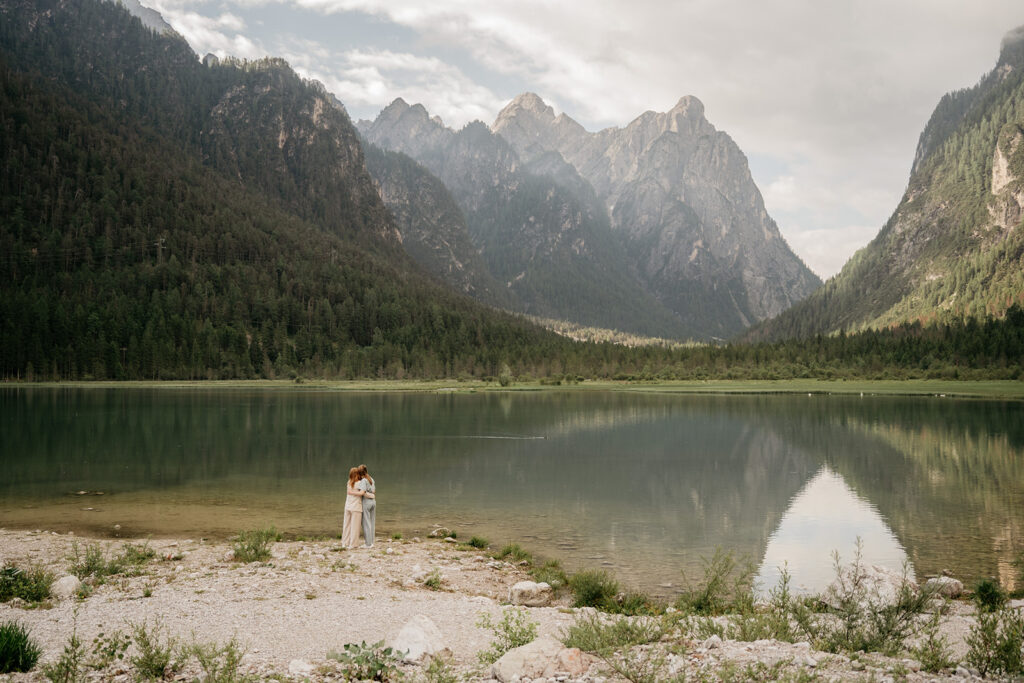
x,y
947,476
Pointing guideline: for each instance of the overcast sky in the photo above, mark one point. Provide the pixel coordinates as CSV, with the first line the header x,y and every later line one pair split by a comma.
x,y
825,97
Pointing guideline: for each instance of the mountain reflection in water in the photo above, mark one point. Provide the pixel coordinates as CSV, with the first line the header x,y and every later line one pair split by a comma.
x,y
643,484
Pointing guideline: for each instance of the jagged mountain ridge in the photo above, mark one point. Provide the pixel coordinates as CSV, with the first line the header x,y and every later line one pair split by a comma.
x,y
680,196
551,249
954,246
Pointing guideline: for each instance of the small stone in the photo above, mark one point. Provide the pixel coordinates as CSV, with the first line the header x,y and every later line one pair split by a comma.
x,y
417,638
810,662
117,527
857,665
389,551
713,642
300,667
912,665
450,539
530,594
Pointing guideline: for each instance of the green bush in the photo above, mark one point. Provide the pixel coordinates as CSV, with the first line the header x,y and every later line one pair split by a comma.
x,y
593,588
364,662
18,652
91,561
515,629
155,651
933,651
989,596
550,573
590,633
31,585
725,580
477,542
636,603
995,643
433,580
254,545
218,662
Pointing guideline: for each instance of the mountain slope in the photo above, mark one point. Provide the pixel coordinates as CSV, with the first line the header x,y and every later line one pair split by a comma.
x,y
150,231
680,197
553,251
954,247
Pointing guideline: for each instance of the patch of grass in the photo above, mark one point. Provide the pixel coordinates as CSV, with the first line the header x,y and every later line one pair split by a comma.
x,y
551,573
989,596
135,555
18,652
591,633
636,603
995,643
638,665
513,630
31,585
364,662
396,536
725,580
254,545
933,650
478,542
513,552
777,620
593,588
155,656
433,580
440,670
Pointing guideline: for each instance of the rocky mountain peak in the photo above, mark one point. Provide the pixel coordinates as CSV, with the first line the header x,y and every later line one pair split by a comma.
x,y
532,103
688,106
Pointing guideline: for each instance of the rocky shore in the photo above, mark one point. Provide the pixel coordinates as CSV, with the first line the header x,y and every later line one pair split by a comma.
x,y
429,596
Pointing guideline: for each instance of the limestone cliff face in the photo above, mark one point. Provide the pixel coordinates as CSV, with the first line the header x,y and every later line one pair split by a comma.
x,y
680,196
544,238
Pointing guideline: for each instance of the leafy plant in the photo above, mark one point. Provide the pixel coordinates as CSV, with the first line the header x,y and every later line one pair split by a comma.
x,y
254,545
90,562
218,662
132,554
478,542
18,652
31,585
155,650
69,667
995,642
593,588
440,670
933,650
591,633
638,665
364,662
513,630
108,649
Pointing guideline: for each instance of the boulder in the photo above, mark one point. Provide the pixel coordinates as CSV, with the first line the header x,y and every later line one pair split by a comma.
x,y
417,638
945,586
530,594
529,661
570,661
65,587
878,586
441,532
300,667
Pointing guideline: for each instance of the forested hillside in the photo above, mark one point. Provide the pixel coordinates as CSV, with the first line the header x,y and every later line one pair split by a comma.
x,y
123,255
954,247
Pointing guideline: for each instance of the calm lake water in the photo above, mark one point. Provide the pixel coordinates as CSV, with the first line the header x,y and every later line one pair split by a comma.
x,y
642,484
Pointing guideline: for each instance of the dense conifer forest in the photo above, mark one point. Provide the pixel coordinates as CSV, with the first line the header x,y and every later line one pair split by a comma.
x,y
149,232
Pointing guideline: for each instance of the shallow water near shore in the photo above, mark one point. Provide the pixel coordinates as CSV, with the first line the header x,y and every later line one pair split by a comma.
x,y
644,485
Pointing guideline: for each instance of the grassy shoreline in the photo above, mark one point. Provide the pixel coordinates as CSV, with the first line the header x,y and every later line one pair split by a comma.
x,y
988,389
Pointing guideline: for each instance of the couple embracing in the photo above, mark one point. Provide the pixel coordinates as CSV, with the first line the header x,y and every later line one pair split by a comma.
x,y
360,508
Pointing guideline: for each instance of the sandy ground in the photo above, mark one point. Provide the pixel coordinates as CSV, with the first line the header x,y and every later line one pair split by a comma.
x,y
313,597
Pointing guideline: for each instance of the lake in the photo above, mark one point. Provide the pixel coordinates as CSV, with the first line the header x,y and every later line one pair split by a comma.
x,y
644,485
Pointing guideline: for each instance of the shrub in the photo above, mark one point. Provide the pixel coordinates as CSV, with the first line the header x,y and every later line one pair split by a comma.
x,y
90,562
18,652
989,596
108,649
995,642
396,536
725,580
155,651
477,542
31,585
364,662
933,651
136,555
440,670
513,630
514,553
254,545
592,634
635,603
593,588
433,580
550,573
778,620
